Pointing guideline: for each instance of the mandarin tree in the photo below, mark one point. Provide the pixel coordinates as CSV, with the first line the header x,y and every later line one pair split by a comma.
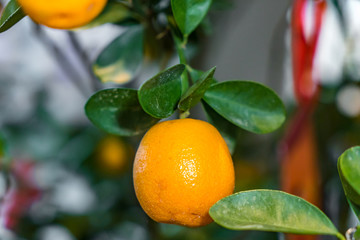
x,y
183,171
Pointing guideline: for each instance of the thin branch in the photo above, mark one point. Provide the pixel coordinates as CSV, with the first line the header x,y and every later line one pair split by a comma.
x,y
85,60
61,59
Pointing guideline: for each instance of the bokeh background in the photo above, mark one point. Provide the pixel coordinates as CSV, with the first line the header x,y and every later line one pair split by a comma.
x,y
68,180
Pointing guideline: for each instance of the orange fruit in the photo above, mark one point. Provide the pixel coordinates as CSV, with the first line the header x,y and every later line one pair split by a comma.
x,y
62,14
113,155
182,167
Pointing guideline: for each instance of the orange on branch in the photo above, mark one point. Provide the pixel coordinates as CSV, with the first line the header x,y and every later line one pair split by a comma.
x,y
182,167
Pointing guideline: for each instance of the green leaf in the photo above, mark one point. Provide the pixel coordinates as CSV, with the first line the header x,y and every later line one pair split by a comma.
x,y
11,14
270,210
118,111
121,59
349,171
227,130
248,105
194,94
160,95
189,13
113,12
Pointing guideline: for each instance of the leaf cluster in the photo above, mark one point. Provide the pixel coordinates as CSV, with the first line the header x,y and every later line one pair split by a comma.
x,y
244,104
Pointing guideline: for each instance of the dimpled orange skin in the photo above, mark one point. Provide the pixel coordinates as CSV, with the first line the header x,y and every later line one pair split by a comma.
x,y
182,167
62,14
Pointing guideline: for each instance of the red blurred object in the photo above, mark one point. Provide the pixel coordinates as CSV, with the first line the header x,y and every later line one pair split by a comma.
x,y
300,174
21,196
306,87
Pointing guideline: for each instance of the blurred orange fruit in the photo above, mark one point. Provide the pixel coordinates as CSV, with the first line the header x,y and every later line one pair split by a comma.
x,y
182,167
62,14
113,155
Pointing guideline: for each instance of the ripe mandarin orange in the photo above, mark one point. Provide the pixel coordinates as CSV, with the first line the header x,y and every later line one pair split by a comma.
x,y
62,14
182,167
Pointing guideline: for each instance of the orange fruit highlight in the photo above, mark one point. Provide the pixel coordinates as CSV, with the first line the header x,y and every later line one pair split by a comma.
x,y
182,167
62,14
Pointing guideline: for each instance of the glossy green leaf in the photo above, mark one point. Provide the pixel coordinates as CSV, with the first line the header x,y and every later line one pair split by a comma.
x,y
349,171
227,130
270,210
248,105
113,12
194,94
118,111
121,59
11,14
189,13
160,95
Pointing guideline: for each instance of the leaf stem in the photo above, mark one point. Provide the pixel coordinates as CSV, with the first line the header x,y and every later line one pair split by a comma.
x,y
341,237
180,49
185,41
